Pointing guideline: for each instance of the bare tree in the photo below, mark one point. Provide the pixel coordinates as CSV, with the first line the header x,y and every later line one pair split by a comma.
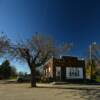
x,y
4,45
36,51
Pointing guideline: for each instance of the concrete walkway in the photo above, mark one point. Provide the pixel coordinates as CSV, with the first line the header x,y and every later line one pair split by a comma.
x,y
59,86
70,86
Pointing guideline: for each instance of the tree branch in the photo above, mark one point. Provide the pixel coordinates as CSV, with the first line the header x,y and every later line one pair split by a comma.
x,y
36,56
43,61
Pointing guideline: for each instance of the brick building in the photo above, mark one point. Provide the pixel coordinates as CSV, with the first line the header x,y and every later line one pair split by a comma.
x,y
64,69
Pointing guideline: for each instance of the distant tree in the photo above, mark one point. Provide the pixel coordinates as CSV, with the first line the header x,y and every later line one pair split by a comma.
x,y
13,71
4,46
36,51
21,74
88,69
93,60
91,69
5,69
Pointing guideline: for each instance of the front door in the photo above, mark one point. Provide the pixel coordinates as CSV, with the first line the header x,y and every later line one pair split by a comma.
x,y
58,73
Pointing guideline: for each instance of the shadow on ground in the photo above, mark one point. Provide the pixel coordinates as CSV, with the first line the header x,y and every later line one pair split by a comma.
x,y
90,94
80,94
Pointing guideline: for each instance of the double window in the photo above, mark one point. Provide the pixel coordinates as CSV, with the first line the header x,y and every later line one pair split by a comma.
x,y
74,72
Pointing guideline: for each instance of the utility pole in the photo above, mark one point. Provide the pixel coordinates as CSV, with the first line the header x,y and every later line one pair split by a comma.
x,y
90,60
91,47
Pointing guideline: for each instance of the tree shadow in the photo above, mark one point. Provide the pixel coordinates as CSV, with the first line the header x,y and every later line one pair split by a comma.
x,y
86,94
90,94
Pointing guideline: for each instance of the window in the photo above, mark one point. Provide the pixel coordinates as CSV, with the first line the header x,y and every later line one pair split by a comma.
x,y
74,73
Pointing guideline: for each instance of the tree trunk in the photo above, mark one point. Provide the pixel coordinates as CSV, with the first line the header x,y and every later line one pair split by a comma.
x,y
33,77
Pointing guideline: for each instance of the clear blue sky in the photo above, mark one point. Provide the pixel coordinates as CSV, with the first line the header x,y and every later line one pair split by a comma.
x,y
76,21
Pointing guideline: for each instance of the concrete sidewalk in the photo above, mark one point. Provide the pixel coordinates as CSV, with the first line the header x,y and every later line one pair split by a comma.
x,y
70,86
58,86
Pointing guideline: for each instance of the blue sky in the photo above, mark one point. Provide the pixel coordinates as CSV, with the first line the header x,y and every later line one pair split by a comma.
x,y
75,21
